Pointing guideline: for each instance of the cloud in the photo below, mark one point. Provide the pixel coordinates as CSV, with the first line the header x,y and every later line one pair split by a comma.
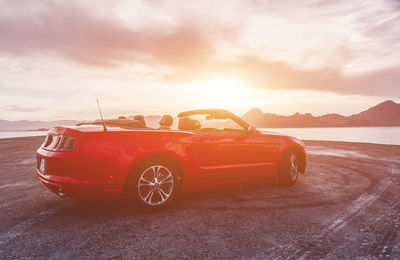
x,y
266,45
68,30
254,72
19,108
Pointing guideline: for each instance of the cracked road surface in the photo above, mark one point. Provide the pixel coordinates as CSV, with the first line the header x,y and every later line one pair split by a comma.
x,y
345,206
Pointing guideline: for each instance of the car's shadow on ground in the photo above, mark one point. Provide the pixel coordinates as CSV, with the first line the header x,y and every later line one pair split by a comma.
x,y
232,193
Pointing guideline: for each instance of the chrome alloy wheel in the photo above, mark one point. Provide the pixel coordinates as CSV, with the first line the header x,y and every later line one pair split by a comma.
x,y
155,185
293,167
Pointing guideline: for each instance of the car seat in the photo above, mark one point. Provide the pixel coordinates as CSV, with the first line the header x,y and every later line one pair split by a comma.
x,y
186,123
140,118
166,122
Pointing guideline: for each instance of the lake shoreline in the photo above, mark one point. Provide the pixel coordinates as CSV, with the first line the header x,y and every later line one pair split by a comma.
x,y
375,135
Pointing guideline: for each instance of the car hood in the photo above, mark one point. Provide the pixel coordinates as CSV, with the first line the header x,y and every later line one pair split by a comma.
x,y
269,132
291,138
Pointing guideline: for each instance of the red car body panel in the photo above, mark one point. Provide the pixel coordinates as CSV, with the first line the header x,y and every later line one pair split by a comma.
x,y
102,160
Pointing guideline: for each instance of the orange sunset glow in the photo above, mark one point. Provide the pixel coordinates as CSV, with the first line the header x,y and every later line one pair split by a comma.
x,y
211,129
153,57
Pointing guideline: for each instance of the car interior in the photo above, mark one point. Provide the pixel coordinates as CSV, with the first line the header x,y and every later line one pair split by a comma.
x,y
205,122
140,119
187,123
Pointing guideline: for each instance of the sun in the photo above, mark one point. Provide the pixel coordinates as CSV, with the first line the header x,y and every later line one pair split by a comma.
x,y
226,88
218,93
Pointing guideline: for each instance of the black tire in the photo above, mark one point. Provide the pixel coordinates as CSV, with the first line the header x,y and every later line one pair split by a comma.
x,y
146,191
289,168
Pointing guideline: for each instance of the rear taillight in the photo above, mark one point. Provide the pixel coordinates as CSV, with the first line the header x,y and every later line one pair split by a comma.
x,y
59,143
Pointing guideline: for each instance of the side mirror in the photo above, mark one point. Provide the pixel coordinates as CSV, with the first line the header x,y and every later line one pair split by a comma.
x,y
251,129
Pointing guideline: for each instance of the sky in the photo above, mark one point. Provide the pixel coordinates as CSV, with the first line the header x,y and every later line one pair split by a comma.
x,y
163,57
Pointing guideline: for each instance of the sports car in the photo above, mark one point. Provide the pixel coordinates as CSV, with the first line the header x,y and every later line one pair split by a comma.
x,y
151,166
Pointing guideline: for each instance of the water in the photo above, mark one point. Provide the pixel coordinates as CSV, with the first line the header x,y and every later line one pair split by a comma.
x,y
21,134
377,135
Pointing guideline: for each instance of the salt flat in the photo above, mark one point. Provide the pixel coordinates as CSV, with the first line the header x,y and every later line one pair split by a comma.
x,y
345,206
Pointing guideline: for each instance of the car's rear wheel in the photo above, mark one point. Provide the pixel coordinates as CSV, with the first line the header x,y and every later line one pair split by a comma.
x,y
289,169
153,185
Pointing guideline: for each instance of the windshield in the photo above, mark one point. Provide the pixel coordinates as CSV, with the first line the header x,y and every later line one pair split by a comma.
x,y
210,123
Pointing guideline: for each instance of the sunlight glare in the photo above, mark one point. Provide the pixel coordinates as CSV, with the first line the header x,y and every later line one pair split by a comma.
x,y
220,93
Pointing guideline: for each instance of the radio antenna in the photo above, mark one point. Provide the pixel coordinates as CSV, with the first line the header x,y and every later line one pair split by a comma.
x,y
101,115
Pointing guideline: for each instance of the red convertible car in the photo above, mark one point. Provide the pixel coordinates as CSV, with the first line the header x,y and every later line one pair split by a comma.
x,y
150,166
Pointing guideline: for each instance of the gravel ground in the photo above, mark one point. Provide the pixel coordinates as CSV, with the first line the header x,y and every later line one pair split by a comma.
x,y
345,206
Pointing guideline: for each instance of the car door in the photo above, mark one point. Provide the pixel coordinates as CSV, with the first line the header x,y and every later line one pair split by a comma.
x,y
235,154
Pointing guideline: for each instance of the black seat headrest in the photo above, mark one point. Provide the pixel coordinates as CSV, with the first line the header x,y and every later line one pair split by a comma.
x,y
166,121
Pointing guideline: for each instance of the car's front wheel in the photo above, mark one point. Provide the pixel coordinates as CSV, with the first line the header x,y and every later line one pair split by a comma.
x,y
153,185
289,169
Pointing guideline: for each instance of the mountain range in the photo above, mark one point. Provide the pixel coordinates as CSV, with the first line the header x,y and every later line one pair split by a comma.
x,y
384,114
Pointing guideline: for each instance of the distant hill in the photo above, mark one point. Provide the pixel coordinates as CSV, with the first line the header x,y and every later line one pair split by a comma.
x,y
384,114
24,125
6,125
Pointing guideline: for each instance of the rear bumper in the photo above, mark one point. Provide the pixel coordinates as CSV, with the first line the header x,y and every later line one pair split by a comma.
x,y
76,189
